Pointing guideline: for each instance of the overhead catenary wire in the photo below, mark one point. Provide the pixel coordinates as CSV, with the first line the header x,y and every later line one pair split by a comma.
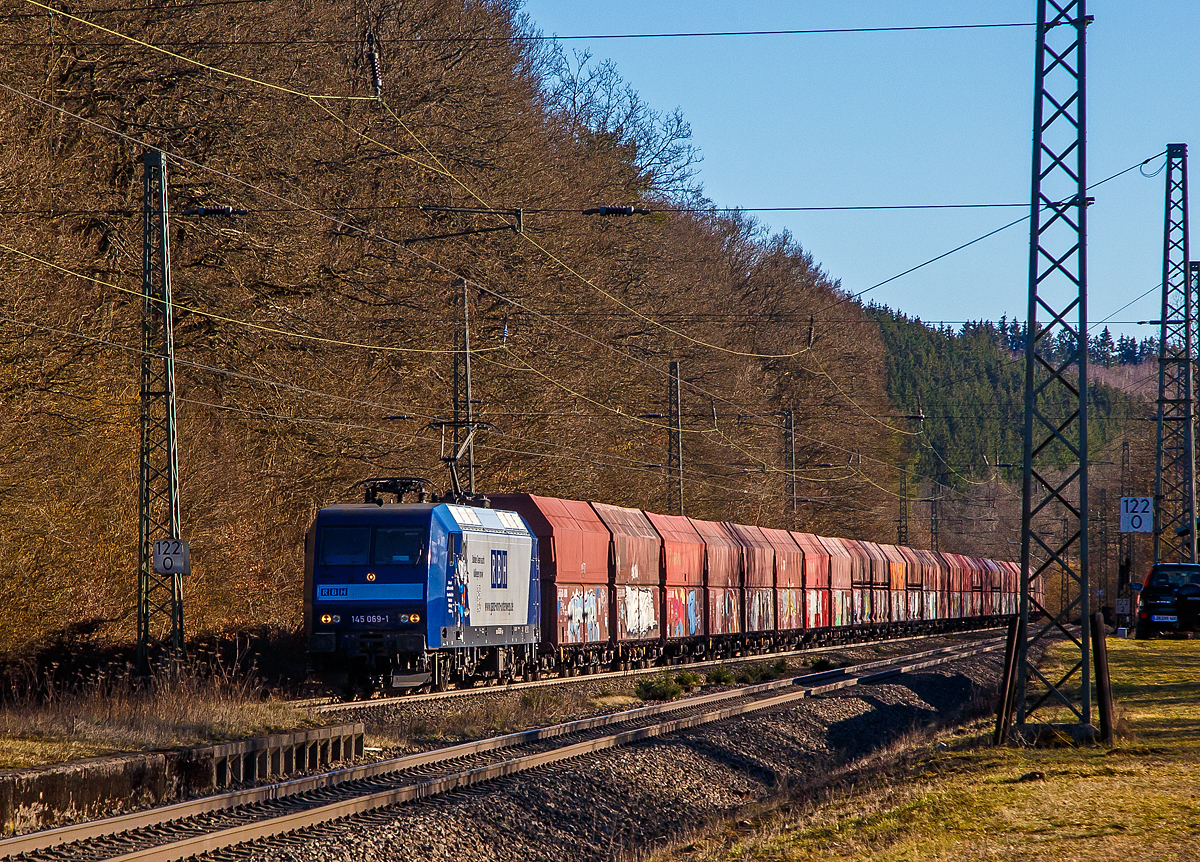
x,y
571,270
576,210
223,319
583,454
370,235
440,169
277,87
989,234
574,37
627,356
317,100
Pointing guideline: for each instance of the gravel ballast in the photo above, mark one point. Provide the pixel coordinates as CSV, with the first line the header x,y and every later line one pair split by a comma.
x,y
603,806
419,725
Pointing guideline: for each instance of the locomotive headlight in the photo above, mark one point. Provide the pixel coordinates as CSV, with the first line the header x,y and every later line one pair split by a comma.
x,y
371,577
336,618
403,618
416,618
326,618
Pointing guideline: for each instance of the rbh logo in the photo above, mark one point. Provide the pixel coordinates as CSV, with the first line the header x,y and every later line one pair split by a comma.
x,y
500,570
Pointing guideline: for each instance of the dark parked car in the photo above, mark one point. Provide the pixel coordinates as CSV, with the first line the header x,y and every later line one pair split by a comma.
x,y
1170,600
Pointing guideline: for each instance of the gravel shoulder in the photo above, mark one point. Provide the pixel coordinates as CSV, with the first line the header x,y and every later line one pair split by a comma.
x,y
627,801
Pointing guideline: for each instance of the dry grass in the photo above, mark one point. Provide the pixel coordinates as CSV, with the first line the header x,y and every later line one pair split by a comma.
x,y
116,715
964,800
464,719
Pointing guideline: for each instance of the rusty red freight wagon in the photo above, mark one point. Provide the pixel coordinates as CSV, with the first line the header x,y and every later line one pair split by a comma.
x,y
635,557
860,580
1012,587
758,593
937,575
816,580
973,600
959,584
573,550
789,580
841,581
914,583
683,576
722,578
993,582
881,599
897,568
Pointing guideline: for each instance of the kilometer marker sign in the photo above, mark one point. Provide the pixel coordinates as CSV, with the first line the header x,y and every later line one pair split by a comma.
x,y
1137,514
172,556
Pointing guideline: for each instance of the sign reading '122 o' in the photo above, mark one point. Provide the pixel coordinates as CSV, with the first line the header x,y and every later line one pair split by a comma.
x,y
1137,514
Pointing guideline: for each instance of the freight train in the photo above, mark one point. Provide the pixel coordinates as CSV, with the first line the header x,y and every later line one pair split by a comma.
x,y
402,596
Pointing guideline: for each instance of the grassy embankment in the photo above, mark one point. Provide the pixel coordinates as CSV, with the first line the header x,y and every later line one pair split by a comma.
x,y
119,715
964,800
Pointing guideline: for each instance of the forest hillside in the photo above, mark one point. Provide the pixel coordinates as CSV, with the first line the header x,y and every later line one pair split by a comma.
x,y
315,333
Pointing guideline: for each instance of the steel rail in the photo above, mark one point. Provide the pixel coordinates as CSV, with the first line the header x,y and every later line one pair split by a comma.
x,y
143,819
817,683
323,704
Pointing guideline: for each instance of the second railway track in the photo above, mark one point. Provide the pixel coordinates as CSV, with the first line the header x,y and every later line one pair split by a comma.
x,y
209,824
329,705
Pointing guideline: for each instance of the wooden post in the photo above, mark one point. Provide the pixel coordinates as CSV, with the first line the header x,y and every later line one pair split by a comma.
x,y
1103,683
1008,684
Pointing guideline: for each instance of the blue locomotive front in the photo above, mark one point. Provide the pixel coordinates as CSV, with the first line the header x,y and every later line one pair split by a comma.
x,y
401,596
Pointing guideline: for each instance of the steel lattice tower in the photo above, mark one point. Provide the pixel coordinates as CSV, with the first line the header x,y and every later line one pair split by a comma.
x,y
674,443
1125,540
1057,294
935,514
1102,594
160,597
1175,466
789,448
463,424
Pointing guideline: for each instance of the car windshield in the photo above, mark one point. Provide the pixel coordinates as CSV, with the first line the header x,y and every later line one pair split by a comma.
x,y
1173,577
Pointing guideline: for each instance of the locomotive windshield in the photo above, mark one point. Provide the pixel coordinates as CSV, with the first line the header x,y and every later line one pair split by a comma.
x,y
345,546
352,546
398,547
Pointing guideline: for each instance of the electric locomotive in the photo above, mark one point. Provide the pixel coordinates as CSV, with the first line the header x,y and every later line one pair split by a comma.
x,y
412,594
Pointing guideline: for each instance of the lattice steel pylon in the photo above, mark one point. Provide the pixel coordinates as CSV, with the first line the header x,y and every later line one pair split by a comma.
x,y
1175,462
160,597
1125,545
464,403
674,443
789,449
1057,289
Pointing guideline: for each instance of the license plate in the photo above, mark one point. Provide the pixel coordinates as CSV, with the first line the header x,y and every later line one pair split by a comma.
x,y
1164,618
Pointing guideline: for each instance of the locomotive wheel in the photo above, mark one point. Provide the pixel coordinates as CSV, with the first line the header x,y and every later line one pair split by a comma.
x,y
441,676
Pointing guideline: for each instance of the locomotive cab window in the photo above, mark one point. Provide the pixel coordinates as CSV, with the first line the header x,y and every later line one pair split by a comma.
x,y
345,546
399,547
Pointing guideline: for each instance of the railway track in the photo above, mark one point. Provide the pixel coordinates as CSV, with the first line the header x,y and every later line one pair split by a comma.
x,y
330,705
214,823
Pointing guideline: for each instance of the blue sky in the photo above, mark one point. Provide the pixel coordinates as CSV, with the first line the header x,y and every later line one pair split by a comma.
x,y
913,118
